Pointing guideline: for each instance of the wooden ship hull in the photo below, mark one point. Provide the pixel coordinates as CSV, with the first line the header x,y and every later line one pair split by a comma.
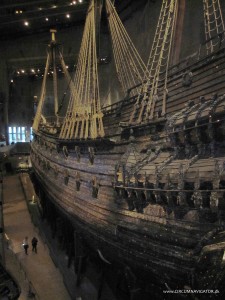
x,y
146,196
150,196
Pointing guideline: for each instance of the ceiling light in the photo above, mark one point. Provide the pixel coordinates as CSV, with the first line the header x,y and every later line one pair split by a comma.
x,y
18,72
32,70
80,1
22,71
68,16
46,19
26,23
54,6
74,2
11,80
21,11
40,8
17,11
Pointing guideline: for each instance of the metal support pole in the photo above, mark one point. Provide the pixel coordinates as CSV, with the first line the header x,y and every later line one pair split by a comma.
x,y
2,253
4,90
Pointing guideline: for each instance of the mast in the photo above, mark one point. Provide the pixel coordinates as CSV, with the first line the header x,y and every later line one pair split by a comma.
x,y
38,116
52,53
55,90
84,117
99,5
178,33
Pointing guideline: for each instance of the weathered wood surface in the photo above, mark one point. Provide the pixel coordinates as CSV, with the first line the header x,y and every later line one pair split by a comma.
x,y
207,78
105,221
154,196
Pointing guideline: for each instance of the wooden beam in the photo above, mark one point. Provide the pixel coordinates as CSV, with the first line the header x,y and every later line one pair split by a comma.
x,y
175,54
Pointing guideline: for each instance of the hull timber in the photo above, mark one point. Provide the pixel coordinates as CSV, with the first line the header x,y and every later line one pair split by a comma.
x,y
150,196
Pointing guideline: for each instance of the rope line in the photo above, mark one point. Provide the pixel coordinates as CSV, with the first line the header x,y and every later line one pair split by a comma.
x,y
84,117
213,23
130,67
157,65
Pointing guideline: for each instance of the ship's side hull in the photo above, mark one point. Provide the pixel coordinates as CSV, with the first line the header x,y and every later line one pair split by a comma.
x,y
149,196
149,242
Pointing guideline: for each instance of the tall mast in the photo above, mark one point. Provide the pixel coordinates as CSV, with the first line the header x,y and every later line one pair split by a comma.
x,y
99,4
52,53
55,90
178,32
84,117
38,116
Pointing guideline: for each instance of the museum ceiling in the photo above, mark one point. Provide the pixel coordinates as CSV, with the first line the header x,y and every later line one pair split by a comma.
x,y
20,18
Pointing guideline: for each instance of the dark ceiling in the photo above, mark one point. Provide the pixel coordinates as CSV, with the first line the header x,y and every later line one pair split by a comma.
x,y
20,18
41,16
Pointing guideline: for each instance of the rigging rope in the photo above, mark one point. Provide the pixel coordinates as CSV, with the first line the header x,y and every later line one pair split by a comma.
x,y
129,65
214,24
84,116
37,118
55,86
51,59
158,63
